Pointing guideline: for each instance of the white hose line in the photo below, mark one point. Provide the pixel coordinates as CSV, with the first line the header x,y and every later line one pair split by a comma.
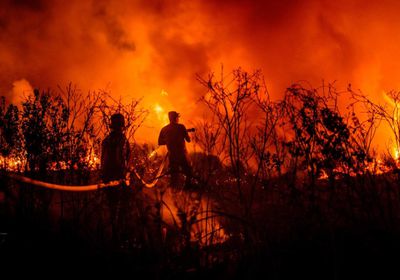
x,y
155,180
86,188
63,187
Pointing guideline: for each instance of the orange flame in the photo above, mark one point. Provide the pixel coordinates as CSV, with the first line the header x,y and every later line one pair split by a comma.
x,y
396,117
92,160
208,229
12,164
160,113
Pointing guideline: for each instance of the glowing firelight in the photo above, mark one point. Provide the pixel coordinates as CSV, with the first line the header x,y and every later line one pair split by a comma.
x,y
158,109
396,117
207,229
12,164
92,160
396,153
153,153
160,113
160,150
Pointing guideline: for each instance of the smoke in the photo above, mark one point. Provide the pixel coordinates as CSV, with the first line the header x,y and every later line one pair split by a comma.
x,y
20,90
141,48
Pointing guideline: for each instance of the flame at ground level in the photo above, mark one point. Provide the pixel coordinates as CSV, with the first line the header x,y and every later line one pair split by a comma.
x,y
204,226
12,164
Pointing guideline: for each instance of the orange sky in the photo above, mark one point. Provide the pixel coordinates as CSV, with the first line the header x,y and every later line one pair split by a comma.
x,y
142,48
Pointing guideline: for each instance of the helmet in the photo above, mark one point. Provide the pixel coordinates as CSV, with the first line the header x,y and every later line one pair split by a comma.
x,y
173,115
117,121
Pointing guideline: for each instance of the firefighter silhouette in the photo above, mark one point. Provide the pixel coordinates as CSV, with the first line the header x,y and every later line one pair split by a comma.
x,y
174,135
114,166
115,151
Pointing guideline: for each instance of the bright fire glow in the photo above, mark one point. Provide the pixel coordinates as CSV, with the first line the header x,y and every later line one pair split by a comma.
x,y
396,153
396,117
207,230
161,114
140,47
12,164
152,154
158,109
92,160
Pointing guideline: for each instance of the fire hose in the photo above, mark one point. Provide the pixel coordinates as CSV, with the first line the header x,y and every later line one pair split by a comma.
x,y
59,187
93,187
85,188
155,180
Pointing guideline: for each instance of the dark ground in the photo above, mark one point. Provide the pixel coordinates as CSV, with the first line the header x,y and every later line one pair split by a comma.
x,y
311,250
29,251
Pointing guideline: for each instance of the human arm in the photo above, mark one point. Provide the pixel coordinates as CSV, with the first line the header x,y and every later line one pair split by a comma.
x,y
162,138
186,134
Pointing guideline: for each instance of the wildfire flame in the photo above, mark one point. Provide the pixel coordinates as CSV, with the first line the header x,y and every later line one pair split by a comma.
x,y
158,109
396,118
12,164
396,153
160,113
92,160
207,230
15,164
153,153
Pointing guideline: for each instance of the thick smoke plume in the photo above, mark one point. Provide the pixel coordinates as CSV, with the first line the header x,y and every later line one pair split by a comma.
x,y
143,48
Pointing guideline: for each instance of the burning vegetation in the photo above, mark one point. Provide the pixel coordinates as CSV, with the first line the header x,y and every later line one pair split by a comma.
x,y
305,131
63,131
261,166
